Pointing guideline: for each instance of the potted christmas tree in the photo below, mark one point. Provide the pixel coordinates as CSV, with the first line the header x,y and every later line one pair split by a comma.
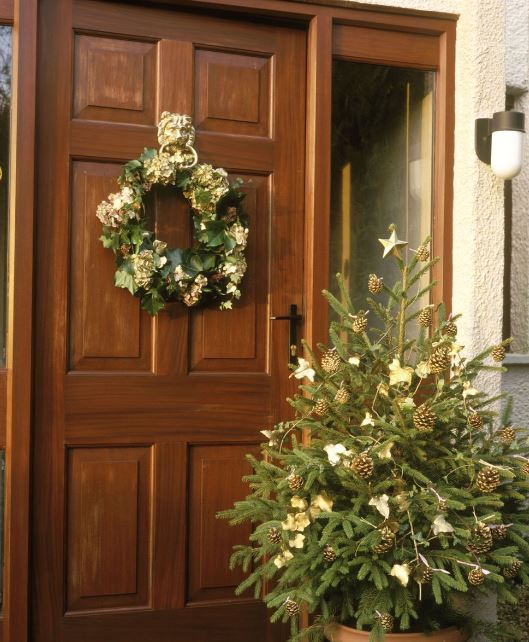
x,y
407,491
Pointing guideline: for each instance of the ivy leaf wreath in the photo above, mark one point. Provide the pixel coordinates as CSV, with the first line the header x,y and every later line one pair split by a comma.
x,y
209,272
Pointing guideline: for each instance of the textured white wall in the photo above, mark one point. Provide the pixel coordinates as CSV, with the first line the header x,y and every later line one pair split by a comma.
x,y
478,195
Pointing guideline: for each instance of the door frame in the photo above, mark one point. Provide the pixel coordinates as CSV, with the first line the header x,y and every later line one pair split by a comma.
x,y
318,18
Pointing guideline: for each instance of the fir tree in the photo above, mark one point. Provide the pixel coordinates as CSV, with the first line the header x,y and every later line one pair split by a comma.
x,y
410,488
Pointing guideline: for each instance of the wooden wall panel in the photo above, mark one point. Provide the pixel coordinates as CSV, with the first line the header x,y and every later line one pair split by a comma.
x,y
215,483
233,93
215,347
107,329
109,528
115,80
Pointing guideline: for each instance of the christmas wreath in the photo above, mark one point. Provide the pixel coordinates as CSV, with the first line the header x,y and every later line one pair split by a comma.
x,y
209,272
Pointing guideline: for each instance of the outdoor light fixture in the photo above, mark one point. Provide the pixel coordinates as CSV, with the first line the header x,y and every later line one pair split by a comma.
x,y
499,142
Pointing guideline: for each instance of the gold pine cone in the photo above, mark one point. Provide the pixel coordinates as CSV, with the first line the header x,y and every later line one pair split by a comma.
x,y
525,468
387,621
507,435
291,607
476,577
488,479
423,574
342,396
321,407
500,531
330,362
374,284
474,420
512,570
442,505
424,419
423,253
481,541
359,324
363,465
498,353
426,317
295,482
450,329
440,360
329,554
274,536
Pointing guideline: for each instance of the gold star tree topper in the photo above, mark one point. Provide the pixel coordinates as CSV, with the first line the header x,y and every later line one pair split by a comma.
x,y
392,245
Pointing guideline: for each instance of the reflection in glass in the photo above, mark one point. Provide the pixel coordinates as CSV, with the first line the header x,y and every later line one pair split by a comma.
x,y
5,113
382,137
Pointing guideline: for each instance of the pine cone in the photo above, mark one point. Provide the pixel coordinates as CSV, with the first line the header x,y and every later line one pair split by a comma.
x,y
525,468
330,362
274,536
488,480
476,577
291,607
481,541
329,554
450,329
423,253
387,622
426,317
423,574
498,353
360,324
512,570
442,505
474,420
507,435
321,407
363,466
440,360
374,284
424,419
295,482
342,396
500,531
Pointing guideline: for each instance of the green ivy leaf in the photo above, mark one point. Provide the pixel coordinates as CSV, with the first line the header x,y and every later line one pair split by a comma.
x,y
123,279
153,302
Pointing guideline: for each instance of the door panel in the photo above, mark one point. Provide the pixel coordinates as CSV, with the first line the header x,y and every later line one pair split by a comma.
x,y
142,424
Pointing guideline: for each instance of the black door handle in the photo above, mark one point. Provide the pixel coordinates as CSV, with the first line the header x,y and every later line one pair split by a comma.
x,y
293,319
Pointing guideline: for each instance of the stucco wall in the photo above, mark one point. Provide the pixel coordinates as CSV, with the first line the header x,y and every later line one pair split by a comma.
x,y
478,195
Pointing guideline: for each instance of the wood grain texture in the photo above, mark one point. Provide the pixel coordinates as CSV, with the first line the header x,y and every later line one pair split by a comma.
x,y
19,321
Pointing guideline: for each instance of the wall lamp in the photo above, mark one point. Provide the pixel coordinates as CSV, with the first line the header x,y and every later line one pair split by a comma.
x,y
499,142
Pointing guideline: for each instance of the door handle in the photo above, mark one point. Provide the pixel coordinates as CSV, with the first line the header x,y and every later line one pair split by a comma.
x,y
292,319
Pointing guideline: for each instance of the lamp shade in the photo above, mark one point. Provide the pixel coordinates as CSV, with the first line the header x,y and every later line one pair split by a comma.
x,y
506,153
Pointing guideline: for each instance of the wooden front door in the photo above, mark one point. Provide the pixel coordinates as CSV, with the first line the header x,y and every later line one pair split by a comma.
x,y
141,425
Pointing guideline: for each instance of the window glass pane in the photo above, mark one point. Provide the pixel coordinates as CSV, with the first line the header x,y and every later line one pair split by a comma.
x,y
5,114
382,137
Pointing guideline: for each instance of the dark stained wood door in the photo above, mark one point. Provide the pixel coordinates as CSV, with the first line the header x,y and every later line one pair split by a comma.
x,y
141,424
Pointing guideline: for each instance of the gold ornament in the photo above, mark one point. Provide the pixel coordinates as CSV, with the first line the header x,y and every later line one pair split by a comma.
x,y
423,574
329,554
450,329
423,253
488,479
474,420
424,419
392,245
291,607
295,482
498,353
274,536
359,324
330,362
440,360
387,621
513,570
476,577
426,317
507,435
481,541
374,284
342,396
321,407
363,465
